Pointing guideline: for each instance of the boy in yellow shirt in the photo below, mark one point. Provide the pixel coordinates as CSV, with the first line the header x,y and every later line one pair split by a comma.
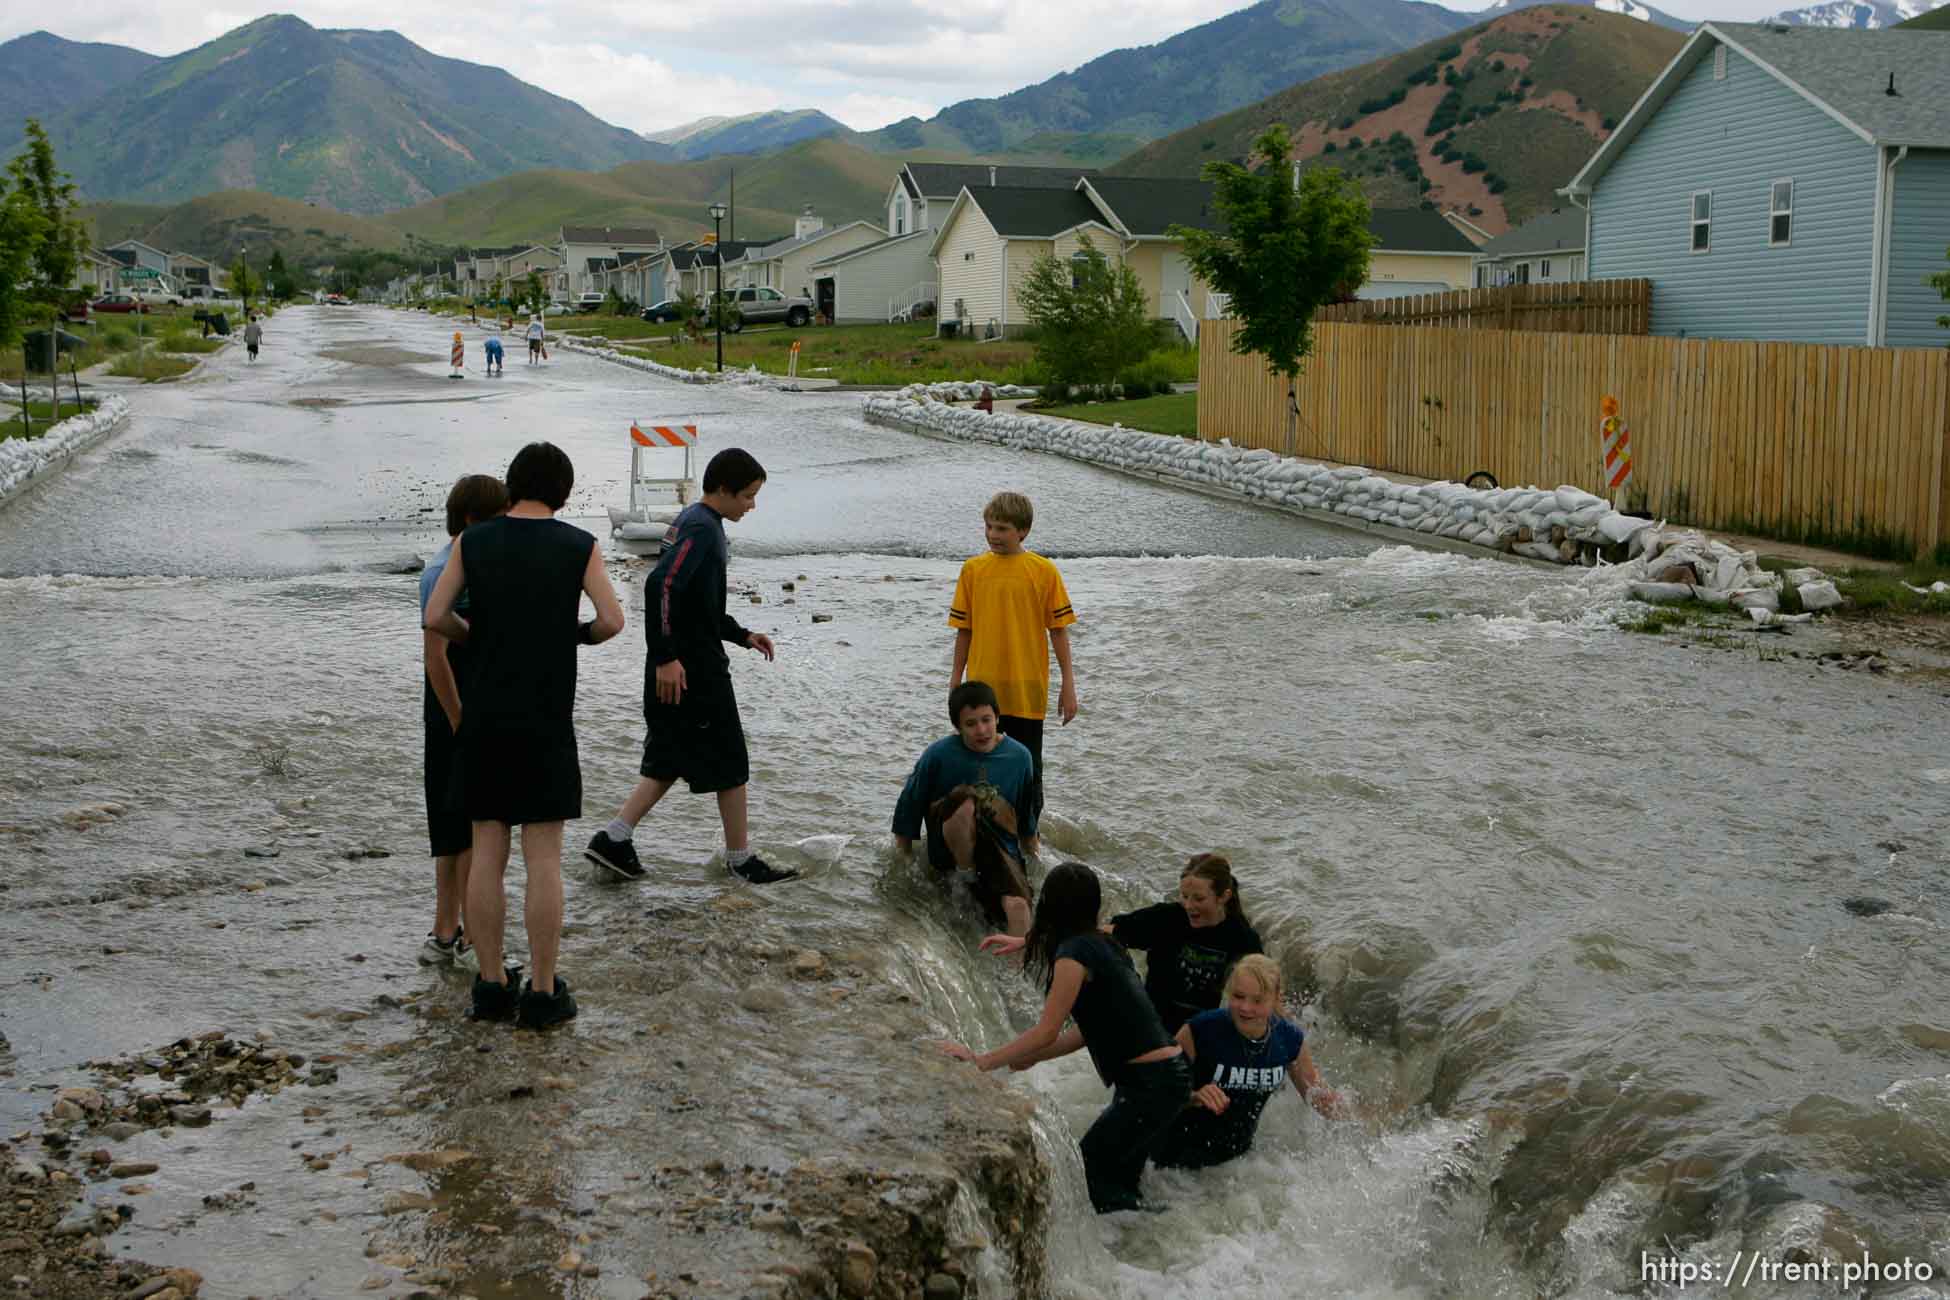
x,y
1004,603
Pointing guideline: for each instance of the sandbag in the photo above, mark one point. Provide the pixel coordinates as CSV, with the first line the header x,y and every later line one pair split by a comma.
x,y
1819,595
1660,593
1801,577
1757,598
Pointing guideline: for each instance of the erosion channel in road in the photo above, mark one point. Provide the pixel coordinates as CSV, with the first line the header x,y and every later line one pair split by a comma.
x,y
1625,946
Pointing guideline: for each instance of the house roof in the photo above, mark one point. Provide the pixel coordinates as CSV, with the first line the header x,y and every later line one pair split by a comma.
x,y
1415,230
945,180
705,254
766,252
601,263
1554,232
123,256
1021,213
1149,206
609,235
864,249
1844,71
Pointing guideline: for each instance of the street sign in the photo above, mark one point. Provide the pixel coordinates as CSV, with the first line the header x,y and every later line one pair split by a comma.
x,y
140,273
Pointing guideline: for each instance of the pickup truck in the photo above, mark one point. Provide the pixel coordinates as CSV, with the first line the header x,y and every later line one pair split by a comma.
x,y
757,306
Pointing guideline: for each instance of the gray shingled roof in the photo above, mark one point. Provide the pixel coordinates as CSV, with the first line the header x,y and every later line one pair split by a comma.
x,y
1152,205
781,247
1554,232
609,235
1415,230
947,179
1033,213
874,247
1850,71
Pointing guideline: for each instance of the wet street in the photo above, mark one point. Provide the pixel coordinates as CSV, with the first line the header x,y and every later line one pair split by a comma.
x,y
1630,945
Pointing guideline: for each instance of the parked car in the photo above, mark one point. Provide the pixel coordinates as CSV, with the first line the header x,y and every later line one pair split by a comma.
x,y
759,306
591,301
159,297
667,310
118,302
336,300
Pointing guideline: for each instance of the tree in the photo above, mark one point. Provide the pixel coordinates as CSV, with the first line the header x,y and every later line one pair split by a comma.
x,y
1288,250
279,280
1941,283
1092,316
57,255
534,295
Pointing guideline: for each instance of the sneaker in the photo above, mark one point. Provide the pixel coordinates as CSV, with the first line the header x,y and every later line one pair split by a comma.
x,y
618,857
437,951
758,871
541,1010
465,958
495,1001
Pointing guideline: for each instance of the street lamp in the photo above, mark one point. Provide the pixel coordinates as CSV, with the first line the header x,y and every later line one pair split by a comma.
x,y
717,255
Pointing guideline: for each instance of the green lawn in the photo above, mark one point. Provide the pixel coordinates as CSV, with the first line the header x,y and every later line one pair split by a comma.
x,y
1176,414
1872,591
855,354
150,366
42,413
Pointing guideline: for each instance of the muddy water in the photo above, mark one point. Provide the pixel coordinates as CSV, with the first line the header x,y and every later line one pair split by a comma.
x,y
1568,905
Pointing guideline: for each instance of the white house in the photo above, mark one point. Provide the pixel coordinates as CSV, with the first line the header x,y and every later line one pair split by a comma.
x,y
786,265
588,251
1543,250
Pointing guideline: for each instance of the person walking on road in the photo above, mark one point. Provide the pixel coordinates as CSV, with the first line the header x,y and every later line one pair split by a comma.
x,y
253,335
536,338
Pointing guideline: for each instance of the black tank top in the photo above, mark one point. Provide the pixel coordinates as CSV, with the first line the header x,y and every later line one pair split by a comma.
x,y
524,591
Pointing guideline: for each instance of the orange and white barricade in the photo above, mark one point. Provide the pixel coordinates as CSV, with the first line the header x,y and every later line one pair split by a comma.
x,y
1616,441
460,353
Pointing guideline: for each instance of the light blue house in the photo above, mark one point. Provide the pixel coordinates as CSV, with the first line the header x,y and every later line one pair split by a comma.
x,y
1783,183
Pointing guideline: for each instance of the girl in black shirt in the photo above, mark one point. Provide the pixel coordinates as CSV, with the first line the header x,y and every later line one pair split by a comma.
x,y
1193,942
1089,978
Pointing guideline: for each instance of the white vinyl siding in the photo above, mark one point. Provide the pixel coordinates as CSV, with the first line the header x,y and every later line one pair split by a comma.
x,y
1919,231
864,285
1733,138
971,269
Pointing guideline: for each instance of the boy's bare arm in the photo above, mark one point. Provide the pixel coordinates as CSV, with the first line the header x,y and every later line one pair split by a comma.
x,y
602,594
1066,699
962,637
440,616
440,675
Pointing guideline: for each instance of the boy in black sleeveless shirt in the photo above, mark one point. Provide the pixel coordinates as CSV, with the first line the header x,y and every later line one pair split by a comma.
x,y
525,574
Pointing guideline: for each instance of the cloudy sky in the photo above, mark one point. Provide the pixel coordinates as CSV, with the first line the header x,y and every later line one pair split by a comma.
x,y
649,64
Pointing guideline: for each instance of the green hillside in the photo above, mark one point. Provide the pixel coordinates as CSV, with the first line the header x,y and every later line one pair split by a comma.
x,y
362,121
216,226
1150,90
1488,122
40,73
843,183
1937,20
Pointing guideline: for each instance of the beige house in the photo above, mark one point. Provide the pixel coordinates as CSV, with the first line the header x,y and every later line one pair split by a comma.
x,y
992,236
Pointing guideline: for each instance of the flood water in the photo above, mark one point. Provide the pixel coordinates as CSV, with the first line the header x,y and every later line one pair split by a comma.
x,y
1576,914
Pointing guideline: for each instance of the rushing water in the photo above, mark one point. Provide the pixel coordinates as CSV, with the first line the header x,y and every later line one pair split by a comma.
x,y
1568,906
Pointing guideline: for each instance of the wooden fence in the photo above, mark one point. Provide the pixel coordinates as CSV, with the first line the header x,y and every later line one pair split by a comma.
x,y
1582,307
1800,441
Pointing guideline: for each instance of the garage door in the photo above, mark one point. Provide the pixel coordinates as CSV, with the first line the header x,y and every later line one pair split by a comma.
x,y
1400,289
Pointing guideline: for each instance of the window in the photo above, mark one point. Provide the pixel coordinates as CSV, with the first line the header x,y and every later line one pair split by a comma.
x,y
1719,63
1780,213
1544,271
1703,221
1523,273
769,295
900,214
1078,260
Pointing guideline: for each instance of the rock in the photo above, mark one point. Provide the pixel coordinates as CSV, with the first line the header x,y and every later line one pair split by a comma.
x,y
788,586
570,1262
1818,596
942,1286
405,1203
120,1131
857,1269
86,1098
426,1161
772,1221
822,618
65,1111
256,851
762,999
809,965
26,1171
79,1221
132,1168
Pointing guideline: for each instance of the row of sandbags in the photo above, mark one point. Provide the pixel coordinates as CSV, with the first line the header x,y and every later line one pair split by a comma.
x,y
24,459
1670,565
1554,524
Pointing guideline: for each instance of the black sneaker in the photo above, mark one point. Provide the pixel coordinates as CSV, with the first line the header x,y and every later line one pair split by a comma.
x,y
758,871
618,857
496,1002
541,1010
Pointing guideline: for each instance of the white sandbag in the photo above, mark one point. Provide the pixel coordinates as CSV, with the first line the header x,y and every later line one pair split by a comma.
x,y
1799,577
1728,573
1768,618
1540,551
1756,598
1571,499
1818,595
1711,596
1660,593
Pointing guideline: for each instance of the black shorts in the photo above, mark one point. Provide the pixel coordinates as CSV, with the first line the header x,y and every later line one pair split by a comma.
x,y
448,829
519,778
1029,731
699,738
997,874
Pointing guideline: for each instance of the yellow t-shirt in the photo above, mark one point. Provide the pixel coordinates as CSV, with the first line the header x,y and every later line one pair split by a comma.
x,y
1008,604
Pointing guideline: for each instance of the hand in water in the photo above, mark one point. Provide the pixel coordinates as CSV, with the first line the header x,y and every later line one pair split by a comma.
x,y
956,1050
1213,1098
1001,945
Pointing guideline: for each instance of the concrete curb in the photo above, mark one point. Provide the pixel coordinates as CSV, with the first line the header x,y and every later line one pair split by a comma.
x,y
1387,532
23,465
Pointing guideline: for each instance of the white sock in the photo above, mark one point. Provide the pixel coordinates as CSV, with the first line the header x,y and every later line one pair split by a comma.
x,y
619,830
738,857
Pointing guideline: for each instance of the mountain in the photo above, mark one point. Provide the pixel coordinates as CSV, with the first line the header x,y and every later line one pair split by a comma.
x,y
219,226
40,72
753,133
1489,121
842,181
361,121
1152,90
1861,13
1628,8
1937,20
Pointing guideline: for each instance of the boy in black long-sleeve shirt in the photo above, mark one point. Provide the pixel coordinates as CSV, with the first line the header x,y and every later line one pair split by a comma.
x,y
688,701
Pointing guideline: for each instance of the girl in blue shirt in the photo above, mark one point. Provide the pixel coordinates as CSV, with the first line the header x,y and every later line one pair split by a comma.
x,y
1241,1054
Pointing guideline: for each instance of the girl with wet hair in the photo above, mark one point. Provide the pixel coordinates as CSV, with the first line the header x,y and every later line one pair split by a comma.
x,y
1088,978
1192,942
1241,1055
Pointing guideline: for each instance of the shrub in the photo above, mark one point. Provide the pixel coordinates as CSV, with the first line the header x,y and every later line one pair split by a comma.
x,y
1207,145
1354,142
1611,123
1472,164
1499,185
1331,147
1345,122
